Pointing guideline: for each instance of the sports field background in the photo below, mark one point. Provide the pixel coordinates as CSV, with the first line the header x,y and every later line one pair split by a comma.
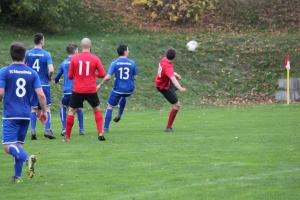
x,y
247,152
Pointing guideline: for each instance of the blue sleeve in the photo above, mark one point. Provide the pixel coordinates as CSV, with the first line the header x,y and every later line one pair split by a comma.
x,y
60,72
2,78
134,69
26,58
49,59
111,69
37,82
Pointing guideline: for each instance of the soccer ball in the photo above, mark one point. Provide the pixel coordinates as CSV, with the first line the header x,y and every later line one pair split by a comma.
x,y
192,45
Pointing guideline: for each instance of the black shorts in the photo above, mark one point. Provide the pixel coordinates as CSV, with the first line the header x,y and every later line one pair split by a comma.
x,y
169,94
77,100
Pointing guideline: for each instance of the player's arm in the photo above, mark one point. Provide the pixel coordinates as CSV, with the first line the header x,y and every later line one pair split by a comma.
x,y
1,93
41,98
2,83
50,71
100,69
177,76
177,84
106,78
71,70
58,74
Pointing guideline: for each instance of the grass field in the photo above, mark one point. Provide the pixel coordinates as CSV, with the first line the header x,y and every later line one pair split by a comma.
x,y
221,153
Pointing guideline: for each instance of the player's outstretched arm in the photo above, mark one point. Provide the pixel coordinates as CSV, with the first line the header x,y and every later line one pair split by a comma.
x,y
177,84
177,76
106,78
58,74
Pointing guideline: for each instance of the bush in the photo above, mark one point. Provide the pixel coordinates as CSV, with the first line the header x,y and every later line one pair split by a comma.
x,y
45,15
181,11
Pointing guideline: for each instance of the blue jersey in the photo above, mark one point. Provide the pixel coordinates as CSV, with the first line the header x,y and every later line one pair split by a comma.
x,y
19,83
39,59
124,70
64,70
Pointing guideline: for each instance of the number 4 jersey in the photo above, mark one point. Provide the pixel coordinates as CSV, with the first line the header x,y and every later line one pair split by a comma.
x,y
84,68
39,59
124,70
19,83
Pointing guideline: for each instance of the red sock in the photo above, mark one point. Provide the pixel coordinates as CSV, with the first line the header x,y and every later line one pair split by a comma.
x,y
69,125
98,120
172,117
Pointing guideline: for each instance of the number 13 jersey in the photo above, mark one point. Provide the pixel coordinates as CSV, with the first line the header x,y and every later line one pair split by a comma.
x,y
84,68
19,83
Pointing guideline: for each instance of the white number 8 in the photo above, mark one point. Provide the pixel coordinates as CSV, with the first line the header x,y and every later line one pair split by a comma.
x,y
20,91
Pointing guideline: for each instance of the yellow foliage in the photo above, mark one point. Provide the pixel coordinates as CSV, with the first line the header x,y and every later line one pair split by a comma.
x,y
177,11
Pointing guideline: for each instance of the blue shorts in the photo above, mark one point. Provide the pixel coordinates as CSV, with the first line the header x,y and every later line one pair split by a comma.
x,y
34,98
114,98
14,130
66,100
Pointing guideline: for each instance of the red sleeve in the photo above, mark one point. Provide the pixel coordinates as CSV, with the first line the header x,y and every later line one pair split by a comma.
x,y
71,70
100,69
169,71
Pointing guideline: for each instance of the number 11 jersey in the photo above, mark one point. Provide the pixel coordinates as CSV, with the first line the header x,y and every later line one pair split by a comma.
x,y
19,83
84,68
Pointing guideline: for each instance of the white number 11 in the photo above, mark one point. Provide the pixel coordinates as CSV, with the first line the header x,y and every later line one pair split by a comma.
x,y
87,71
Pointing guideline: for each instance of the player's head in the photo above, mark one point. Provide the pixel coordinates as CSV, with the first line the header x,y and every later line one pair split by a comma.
x,y
72,49
38,39
17,51
123,50
171,54
86,43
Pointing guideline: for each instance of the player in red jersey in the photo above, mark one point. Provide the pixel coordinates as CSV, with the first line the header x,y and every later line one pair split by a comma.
x,y
166,83
84,68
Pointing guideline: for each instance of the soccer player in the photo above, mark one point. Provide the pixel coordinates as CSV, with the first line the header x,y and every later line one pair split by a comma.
x,y
84,69
40,60
17,84
68,85
166,83
125,73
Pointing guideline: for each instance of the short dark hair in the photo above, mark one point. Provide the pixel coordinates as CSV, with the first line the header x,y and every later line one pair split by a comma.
x,y
121,49
17,51
71,48
38,37
171,54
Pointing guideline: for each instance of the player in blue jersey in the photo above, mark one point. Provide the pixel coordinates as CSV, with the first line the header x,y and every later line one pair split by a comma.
x,y
40,60
125,73
17,84
68,86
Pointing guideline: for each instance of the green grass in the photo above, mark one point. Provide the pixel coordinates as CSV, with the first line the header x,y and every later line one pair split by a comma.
x,y
221,153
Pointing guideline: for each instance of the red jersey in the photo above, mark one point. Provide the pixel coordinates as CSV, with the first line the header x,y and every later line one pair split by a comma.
x,y
84,68
165,72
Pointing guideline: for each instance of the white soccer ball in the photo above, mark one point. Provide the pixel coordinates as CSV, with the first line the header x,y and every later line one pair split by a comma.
x,y
192,45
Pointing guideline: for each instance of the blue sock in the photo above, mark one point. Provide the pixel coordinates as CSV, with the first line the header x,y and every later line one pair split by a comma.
x,y
122,105
33,120
18,167
17,152
63,116
108,116
48,123
80,119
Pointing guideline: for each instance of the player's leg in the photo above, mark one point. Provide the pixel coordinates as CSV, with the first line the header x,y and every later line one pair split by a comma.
x,y
75,103
122,104
48,132
63,112
113,100
10,130
171,97
95,103
33,116
80,120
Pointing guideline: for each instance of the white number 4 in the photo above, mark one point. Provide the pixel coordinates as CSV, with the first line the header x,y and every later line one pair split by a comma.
x,y
36,65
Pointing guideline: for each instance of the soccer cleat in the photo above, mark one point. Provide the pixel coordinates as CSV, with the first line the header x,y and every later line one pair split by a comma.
x,y
33,135
67,140
117,119
81,132
101,138
49,134
63,132
16,180
168,130
31,163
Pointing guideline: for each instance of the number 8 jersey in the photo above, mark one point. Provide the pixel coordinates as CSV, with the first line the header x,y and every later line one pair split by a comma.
x,y
124,70
19,83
